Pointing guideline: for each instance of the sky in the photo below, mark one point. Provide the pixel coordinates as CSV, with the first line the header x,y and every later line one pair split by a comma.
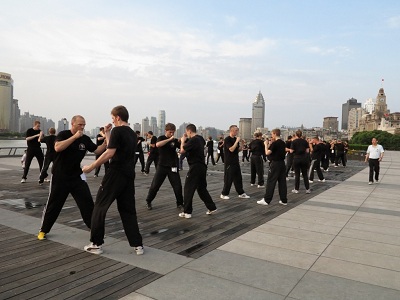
x,y
202,62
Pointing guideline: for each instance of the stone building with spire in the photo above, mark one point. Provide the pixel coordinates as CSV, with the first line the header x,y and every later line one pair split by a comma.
x,y
258,113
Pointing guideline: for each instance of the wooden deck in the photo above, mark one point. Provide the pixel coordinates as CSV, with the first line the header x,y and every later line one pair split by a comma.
x,y
31,269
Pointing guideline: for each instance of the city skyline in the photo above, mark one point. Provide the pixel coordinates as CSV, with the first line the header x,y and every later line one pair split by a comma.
x,y
200,61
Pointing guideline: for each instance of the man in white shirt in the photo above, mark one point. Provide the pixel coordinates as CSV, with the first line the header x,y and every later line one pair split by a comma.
x,y
374,156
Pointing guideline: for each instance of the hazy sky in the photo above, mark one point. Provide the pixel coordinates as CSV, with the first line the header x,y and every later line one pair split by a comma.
x,y
201,61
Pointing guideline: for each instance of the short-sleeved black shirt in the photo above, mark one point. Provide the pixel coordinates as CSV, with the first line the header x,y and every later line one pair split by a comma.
x,y
101,141
153,151
257,147
300,147
318,151
50,141
194,149
124,140
35,142
210,146
278,149
339,147
67,163
231,158
221,146
167,155
139,147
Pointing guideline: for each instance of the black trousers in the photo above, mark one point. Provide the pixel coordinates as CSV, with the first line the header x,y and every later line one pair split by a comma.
x,y
48,159
289,163
276,173
301,165
373,167
315,164
325,162
220,155
196,179
340,156
32,152
161,173
150,160
232,174
106,165
245,155
60,188
210,154
140,156
116,186
257,168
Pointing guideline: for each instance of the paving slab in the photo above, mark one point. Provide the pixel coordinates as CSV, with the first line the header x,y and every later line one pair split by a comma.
x,y
269,253
253,272
188,284
317,286
326,209
378,222
312,218
374,228
305,226
136,296
375,247
320,214
366,235
359,272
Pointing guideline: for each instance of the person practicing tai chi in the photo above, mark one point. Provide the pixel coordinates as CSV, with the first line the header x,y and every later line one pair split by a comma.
x,y
118,183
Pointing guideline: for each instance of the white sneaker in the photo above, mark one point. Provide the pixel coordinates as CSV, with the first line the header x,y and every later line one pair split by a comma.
x,y
310,181
139,250
244,196
376,181
368,182
321,180
287,178
295,191
262,202
283,203
252,184
23,180
92,248
308,191
224,197
211,212
260,186
185,215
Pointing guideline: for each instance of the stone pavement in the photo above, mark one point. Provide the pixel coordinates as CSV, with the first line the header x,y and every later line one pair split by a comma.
x,y
343,243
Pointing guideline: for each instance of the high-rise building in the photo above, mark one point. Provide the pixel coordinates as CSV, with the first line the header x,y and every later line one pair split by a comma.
x,y
15,116
355,116
137,127
346,107
6,100
62,124
331,124
145,125
258,113
369,105
153,126
161,120
245,131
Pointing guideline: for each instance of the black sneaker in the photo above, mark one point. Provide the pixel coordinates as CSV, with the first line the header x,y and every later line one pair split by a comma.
x,y
41,182
148,205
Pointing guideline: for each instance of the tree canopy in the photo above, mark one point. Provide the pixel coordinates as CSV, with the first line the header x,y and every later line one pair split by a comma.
x,y
387,140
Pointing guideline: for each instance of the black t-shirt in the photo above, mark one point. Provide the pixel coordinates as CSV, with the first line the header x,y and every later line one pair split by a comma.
x,y
153,151
34,143
339,147
99,141
124,140
139,147
231,158
210,146
300,147
257,147
221,146
194,149
50,141
167,155
278,149
318,151
67,163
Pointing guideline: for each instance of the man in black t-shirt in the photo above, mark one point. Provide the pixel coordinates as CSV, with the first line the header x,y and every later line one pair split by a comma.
x,y
210,150
33,150
71,147
340,153
232,171
167,166
300,150
118,183
139,151
277,169
152,154
220,150
100,139
317,152
196,178
50,152
257,151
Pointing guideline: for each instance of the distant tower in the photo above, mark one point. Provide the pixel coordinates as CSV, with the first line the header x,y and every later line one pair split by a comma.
x,y
346,107
6,101
145,125
380,104
245,128
258,113
161,120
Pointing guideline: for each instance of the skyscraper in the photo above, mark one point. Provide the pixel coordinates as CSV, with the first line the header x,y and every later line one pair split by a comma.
x,y
161,120
346,107
6,100
145,125
258,113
